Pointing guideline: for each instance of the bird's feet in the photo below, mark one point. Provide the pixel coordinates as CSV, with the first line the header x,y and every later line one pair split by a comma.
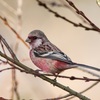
x,y
55,79
37,72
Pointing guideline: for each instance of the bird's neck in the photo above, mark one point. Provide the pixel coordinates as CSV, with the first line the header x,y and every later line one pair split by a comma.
x,y
36,43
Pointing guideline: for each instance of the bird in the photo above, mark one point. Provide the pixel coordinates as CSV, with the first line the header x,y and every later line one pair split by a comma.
x,y
48,57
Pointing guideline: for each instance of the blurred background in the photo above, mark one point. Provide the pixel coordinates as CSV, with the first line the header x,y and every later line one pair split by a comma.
x,y
80,45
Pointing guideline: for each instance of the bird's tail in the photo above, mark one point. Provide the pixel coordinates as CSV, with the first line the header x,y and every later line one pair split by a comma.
x,y
86,66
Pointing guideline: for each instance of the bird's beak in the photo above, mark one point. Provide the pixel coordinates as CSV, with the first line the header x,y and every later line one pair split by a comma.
x,y
28,40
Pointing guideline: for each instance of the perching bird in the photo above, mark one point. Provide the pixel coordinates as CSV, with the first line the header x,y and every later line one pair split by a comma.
x,y
48,57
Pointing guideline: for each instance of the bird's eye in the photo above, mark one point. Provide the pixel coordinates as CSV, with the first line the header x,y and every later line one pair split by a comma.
x,y
32,37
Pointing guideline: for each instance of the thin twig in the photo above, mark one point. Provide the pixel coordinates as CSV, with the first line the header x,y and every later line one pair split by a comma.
x,y
9,49
2,47
64,5
94,84
6,69
19,27
86,79
82,14
18,36
14,84
68,95
14,81
64,18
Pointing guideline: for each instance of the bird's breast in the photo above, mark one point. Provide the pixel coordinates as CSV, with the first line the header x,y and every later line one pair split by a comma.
x,y
47,65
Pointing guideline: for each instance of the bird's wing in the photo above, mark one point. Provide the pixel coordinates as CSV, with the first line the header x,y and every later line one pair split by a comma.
x,y
50,51
62,57
53,55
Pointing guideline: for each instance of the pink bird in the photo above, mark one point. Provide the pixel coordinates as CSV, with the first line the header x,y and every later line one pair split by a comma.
x,y
48,57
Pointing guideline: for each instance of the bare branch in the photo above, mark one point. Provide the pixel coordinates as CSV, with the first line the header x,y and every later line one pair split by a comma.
x,y
67,20
94,84
14,84
9,49
14,81
64,5
86,79
18,36
68,95
82,14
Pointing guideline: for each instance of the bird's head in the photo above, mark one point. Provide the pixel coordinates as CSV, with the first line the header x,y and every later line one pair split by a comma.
x,y
36,38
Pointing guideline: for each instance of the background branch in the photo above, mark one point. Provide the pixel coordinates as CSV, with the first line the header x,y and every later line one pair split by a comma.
x,y
94,27
18,36
83,15
68,95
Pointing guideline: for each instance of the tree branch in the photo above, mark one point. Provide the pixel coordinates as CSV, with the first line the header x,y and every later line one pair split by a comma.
x,y
67,20
68,95
18,36
82,14
86,79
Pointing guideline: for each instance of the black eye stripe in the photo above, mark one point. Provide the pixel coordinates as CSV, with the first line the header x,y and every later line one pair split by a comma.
x,y
33,37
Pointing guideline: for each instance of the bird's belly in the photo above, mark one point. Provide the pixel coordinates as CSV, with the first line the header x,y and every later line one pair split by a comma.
x,y
48,65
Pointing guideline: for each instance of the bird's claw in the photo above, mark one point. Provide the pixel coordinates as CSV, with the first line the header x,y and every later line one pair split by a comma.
x,y
37,71
55,79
